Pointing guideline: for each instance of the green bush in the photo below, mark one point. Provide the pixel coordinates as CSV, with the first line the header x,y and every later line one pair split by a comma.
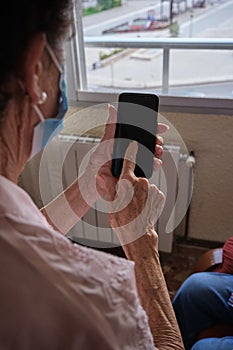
x,y
116,3
90,11
102,6
105,4
174,29
103,55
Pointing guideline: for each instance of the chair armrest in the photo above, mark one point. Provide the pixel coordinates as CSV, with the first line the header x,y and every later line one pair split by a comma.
x,y
209,261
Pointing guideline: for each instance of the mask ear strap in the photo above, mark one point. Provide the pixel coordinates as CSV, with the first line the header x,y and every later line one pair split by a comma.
x,y
38,112
35,107
44,95
54,58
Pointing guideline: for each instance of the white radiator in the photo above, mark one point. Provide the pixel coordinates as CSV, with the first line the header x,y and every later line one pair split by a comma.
x,y
94,229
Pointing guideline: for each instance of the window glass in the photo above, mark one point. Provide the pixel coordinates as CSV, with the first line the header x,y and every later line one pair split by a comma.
x,y
187,72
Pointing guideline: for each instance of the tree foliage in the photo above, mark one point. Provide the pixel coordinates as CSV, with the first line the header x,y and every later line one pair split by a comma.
x,y
108,4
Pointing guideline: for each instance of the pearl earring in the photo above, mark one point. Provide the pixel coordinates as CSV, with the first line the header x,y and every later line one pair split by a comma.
x,y
43,98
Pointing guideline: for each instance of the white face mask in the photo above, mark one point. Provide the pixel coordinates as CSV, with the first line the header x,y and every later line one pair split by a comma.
x,y
47,128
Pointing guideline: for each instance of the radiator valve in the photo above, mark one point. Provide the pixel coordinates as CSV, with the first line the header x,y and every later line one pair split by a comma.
x,y
190,161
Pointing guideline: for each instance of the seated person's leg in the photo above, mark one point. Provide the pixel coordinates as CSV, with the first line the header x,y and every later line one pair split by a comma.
x,y
225,343
201,302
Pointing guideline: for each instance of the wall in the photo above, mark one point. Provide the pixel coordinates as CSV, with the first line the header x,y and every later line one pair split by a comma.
x,y
211,139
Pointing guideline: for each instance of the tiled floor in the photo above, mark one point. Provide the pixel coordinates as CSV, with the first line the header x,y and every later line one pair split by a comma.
x,y
178,265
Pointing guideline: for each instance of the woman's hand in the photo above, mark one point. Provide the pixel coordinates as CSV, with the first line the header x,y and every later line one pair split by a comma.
x,y
100,161
72,204
135,204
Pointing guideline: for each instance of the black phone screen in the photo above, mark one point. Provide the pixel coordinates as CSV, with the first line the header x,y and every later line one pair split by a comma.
x,y
136,120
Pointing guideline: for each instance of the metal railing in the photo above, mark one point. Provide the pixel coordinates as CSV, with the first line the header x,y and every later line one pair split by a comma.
x,y
166,44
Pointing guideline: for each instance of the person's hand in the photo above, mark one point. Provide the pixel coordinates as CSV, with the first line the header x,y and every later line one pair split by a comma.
x,y
135,204
100,162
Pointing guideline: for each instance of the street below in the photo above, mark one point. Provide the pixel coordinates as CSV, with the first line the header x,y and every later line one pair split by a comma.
x,y
192,72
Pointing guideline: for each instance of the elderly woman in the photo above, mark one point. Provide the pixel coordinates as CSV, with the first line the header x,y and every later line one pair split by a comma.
x,y
55,295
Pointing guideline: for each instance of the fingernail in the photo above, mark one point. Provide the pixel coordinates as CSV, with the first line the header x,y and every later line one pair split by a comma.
x,y
111,113
133,147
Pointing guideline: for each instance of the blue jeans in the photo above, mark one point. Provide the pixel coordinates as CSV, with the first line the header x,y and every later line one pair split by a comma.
x,y
225,343
201,302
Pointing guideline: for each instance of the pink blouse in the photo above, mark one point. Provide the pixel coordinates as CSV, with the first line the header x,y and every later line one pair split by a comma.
x,y
58,295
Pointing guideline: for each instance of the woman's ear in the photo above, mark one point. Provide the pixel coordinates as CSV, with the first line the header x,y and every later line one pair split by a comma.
x,y
32,67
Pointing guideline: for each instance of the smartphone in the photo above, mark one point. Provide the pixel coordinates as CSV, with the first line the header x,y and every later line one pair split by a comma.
x,y
136,120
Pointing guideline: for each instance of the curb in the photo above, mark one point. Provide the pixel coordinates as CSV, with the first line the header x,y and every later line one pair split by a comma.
x,y
137,84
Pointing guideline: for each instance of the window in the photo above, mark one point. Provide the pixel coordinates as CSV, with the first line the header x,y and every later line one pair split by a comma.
x,y
186,59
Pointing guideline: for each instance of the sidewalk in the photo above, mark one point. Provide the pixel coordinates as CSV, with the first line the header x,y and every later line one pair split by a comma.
x,y
132,9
